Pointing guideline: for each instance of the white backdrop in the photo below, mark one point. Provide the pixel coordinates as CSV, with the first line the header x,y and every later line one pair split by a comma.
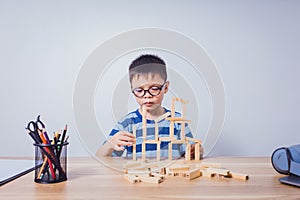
x,y
254,44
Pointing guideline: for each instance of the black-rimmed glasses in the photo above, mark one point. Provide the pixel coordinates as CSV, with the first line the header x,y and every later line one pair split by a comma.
x,y
153,91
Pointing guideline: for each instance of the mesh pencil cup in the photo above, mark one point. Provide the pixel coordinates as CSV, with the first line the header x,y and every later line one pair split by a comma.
x,y
50,163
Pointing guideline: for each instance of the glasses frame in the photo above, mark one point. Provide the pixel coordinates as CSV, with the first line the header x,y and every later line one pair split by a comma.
x,y
145,91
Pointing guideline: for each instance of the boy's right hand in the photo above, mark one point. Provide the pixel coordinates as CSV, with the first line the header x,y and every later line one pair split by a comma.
x,y
121,139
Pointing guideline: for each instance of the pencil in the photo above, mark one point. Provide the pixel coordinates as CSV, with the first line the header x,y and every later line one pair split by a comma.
x,y
49,161
62,140
64,134
42,168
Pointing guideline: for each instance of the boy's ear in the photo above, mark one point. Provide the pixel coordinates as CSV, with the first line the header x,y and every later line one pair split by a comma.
x,y
167,84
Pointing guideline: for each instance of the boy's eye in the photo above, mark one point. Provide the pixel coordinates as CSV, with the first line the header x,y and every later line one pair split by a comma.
x,y
138,90
155,88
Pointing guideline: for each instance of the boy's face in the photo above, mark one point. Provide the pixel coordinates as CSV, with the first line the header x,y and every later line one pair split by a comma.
x,y
145,82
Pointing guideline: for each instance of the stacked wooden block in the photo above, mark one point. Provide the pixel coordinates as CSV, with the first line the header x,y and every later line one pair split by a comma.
x,y
157,172
171,139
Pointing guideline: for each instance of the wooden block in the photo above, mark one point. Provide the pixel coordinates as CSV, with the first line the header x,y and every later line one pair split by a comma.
x,y
156,180
141,168
139,172
179,167
192,174
182,132
164,139
178,141
218,171
156,132
151,142
170,151
144,121
171,134
239,176
131,178
158,152
206,173
188,152
158,119
143,151
134,144
174,118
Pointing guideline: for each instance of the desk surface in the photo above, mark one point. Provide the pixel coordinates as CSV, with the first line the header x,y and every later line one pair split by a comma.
x,y
89,179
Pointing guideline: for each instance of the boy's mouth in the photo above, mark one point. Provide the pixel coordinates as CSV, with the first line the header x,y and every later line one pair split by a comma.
x,y
148,103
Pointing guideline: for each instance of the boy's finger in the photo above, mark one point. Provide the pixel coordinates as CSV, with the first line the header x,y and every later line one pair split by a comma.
x,y
127,134
122,143
126,138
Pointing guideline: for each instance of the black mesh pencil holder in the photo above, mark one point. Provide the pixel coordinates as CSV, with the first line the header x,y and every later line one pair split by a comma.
x,y
50,163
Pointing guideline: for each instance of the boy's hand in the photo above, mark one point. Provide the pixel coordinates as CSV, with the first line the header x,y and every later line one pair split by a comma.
x,y
121,139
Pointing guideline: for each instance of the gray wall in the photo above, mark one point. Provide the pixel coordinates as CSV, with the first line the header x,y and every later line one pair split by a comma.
x,y
254,44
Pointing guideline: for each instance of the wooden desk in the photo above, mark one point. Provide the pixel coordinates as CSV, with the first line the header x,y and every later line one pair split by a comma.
x,y
88,179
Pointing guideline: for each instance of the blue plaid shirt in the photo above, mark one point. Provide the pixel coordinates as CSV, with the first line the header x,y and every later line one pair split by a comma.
x,y
135,118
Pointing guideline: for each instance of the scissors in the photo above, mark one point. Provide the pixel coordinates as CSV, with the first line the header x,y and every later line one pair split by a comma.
x,y
34,127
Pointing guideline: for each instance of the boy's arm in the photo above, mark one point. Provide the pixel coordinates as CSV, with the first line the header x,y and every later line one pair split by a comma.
x,y
105,150
116,143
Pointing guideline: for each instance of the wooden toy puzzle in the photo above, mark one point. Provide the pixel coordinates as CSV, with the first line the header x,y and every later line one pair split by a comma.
x,y
156,172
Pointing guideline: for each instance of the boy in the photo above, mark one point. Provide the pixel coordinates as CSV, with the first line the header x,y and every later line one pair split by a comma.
x,y
148,79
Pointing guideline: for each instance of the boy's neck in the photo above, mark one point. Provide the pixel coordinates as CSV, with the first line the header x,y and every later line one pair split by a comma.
x,y
153,114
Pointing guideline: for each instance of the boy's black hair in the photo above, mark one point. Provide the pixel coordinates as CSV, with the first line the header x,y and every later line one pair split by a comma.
x,y
148,64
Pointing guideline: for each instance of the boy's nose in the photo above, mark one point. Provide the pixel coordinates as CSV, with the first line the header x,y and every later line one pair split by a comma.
x,y
147,94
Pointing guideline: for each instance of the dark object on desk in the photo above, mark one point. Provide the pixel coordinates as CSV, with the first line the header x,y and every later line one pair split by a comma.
x,y
286,160
291,180
51,153
54,171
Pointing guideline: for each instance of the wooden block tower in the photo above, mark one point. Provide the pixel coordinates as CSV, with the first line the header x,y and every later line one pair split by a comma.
x,y
171,139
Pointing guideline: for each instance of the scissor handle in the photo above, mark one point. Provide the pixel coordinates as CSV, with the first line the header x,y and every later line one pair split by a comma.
x,y
39,124
31,126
